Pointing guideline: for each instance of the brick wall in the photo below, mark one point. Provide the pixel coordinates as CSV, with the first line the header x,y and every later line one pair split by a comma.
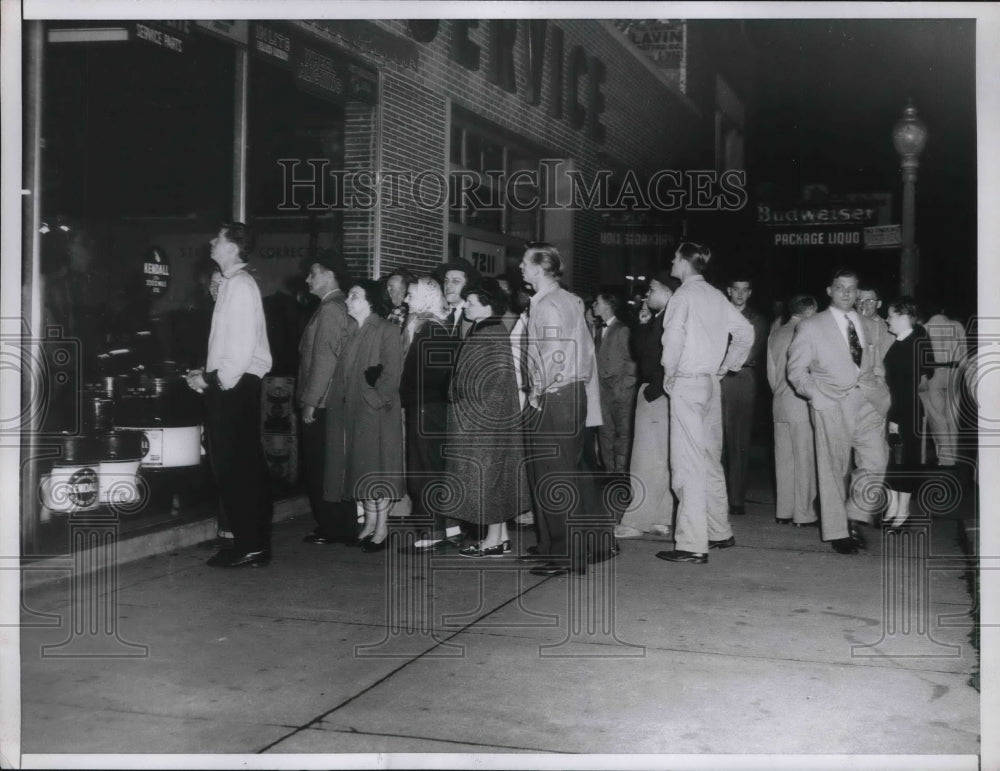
x,y
648,127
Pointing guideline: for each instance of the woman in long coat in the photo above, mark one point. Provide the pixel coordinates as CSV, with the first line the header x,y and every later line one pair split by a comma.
x,y
428,353
904,374
485,448
364,432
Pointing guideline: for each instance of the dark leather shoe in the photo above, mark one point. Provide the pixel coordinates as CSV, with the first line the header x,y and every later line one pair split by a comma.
x,y
682,556
370,547
855,534
447,546
550,569
321,540
723,544
737,511
844,546
782,521
252,559
814,523
221,558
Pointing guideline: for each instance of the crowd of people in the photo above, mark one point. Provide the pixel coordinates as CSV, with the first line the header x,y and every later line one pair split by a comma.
x,y
487,403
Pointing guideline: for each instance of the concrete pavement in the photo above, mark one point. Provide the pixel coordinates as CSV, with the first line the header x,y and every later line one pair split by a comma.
x,y
776,646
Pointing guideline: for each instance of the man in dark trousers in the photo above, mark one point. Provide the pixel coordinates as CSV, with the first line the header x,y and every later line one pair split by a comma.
x,y
238,357
616,370
561,366
319,352
739,393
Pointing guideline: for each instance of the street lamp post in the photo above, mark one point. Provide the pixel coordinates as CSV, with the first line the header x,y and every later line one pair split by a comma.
x,y
909,136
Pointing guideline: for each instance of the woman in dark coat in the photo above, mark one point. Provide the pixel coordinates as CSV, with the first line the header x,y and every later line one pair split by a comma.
x,y
904,374
428,353
365,432
485,448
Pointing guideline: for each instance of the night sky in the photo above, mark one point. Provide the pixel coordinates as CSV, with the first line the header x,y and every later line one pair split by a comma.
x,y
828,93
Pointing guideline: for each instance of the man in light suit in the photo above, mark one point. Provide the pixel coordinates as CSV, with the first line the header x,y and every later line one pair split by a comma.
x,y
835,361
617,377
319,352
794,454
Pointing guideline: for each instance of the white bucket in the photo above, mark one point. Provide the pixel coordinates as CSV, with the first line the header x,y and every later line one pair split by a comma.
x,y
117,481
71,488
170,447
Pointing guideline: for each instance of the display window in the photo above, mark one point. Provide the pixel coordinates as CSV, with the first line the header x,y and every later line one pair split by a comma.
x,y
496,188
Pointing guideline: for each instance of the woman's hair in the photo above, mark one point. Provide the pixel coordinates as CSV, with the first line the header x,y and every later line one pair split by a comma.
x,y
373,293
426,297
904,306
489,293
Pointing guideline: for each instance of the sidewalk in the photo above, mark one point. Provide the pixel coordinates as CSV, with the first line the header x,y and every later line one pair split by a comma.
x,y
776,646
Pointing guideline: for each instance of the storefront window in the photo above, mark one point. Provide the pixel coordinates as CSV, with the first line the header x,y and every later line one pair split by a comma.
x,y
492,221
127,135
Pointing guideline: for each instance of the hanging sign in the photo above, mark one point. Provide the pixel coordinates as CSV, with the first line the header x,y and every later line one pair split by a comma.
x,y
156,272
317,69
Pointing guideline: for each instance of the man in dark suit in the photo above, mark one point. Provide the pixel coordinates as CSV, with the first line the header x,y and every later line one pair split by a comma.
x,y
453,277
319,352
616,372
652,506
739,392
835,361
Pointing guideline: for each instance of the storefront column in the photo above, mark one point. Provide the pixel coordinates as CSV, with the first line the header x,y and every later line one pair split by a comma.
x,y
31,296
240,135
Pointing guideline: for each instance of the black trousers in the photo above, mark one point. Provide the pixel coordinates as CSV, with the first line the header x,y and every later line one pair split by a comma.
x,y
333,520
232,422
570,516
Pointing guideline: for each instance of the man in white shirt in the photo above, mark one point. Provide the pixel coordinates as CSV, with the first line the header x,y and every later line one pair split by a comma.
x,y
697,353
238,357
835,361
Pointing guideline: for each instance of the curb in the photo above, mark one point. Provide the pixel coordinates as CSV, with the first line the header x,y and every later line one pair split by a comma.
x,y
48,569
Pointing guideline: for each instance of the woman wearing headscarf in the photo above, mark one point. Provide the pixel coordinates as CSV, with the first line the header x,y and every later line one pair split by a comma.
x,y
485,449
428,353
365,451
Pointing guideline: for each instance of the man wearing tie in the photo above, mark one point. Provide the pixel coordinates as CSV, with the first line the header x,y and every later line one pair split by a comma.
x,y
835,361
617,372
454,276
